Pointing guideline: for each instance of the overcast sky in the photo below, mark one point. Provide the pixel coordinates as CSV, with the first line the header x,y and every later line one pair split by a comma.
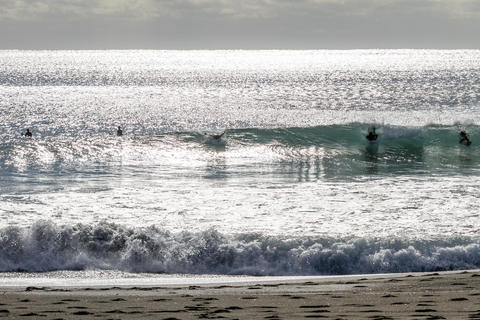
x,y
239,24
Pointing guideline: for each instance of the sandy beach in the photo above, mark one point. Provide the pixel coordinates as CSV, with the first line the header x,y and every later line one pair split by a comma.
x,y
443,295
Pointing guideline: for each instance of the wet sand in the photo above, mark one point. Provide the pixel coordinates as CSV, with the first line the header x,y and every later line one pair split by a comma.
x,y
443,295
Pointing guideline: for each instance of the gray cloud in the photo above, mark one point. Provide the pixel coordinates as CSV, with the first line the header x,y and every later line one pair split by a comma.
x,y
239,24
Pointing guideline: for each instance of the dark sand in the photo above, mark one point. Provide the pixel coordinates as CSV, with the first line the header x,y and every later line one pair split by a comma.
x,y
446,295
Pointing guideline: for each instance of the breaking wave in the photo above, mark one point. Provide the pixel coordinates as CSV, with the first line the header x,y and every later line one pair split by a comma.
x,y
339,149
46,246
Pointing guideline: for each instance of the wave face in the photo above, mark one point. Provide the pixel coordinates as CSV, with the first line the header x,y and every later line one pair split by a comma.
x,y
353,135
48,247
334,150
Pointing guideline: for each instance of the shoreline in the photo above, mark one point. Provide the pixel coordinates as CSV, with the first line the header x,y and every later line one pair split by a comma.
x,y
434,295
96,278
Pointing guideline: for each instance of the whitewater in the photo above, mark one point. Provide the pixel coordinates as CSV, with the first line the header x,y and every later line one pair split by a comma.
x,y
292,188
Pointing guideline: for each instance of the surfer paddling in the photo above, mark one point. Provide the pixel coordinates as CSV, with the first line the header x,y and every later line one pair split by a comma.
x,y
28,133
372,135
464,139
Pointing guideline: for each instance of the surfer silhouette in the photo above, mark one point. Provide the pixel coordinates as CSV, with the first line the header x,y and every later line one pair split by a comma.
x,y
218,136
215,136
28,133
372,135
464,139
119,132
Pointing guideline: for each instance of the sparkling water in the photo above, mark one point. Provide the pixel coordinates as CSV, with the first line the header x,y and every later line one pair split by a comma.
x,y
291,188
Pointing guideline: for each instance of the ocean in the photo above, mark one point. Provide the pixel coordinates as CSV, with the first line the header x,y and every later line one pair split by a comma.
x,y
293,188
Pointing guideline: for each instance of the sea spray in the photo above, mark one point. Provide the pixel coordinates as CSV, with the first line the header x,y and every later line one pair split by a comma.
x,y
46,246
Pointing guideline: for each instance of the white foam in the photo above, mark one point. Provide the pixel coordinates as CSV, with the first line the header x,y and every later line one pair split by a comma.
x,y
48,247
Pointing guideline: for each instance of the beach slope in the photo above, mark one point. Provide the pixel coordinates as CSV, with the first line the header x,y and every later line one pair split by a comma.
x,y
442,295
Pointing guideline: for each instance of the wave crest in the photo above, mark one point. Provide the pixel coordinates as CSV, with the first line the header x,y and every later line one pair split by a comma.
x,y
46,246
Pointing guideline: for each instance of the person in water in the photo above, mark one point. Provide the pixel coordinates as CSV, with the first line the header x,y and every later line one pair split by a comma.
x,y
28,133
464,139
218,136
119,132
215,136
372,135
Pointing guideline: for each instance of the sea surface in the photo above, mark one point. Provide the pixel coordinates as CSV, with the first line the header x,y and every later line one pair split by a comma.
x,y
292,188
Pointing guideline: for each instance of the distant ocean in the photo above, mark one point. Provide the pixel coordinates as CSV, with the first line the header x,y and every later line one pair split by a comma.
x,y
292,188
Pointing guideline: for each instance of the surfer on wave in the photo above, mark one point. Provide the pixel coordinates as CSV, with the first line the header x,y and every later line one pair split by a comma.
x,y
464,139
215,136
372,135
